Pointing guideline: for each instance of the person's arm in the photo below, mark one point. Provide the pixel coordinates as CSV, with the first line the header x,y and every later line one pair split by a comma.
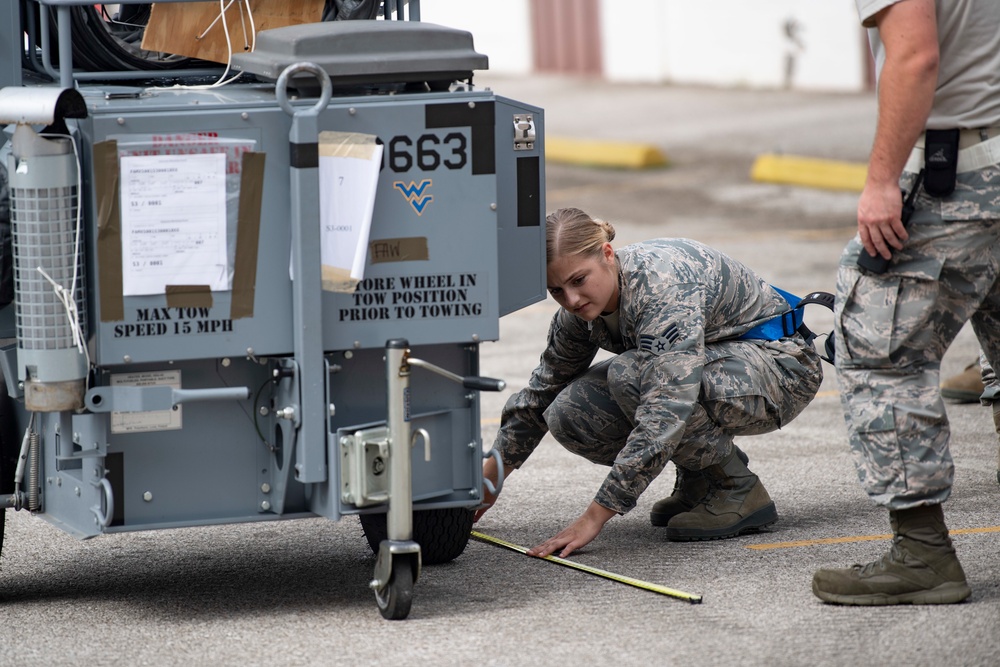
x,y
567,354
669,386
908,31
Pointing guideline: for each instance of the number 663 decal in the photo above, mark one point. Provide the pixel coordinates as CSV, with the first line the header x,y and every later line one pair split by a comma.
x,y
427,153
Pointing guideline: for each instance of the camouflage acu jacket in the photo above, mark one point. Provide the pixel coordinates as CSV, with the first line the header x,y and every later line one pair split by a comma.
x,y
677,296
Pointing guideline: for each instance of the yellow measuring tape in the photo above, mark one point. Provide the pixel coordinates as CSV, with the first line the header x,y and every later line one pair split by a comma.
x,y
645,585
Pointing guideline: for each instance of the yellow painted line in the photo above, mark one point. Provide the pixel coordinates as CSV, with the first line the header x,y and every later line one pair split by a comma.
x,y
811,172
645,585
857,538
598,153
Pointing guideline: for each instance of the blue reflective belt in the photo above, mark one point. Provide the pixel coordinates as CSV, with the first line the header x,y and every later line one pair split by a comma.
x,y
782,326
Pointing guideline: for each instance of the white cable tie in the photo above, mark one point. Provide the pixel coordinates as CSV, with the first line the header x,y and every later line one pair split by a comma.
x,y
69,304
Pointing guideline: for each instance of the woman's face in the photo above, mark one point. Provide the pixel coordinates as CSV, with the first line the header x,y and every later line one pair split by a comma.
x,y
585,286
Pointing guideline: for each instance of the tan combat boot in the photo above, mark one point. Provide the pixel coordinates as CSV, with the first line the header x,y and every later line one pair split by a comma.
x,y
965,387
690,488
920,568
736,503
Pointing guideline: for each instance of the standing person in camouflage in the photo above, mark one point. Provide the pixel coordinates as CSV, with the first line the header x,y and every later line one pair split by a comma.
x,y
939,71
991,398
697,363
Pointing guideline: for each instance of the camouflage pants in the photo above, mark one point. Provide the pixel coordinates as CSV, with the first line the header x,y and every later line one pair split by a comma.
x,y
893,329
747,388
991,386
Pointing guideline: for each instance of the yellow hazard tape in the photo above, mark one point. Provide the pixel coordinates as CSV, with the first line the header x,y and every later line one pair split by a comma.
x,y
645,585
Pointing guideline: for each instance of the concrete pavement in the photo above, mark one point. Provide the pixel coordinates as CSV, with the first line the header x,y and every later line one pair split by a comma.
x,y
295,593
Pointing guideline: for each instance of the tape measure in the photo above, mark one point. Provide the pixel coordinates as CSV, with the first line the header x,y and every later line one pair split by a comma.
x,y
645,585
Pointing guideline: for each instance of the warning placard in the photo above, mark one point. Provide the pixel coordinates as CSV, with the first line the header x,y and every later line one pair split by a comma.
x,y
156,420
415,298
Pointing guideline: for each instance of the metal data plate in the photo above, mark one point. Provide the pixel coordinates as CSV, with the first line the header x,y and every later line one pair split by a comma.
x,y
364,478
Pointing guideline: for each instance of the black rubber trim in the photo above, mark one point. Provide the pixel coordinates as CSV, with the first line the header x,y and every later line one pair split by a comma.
x,y
479,118
529,196
303,156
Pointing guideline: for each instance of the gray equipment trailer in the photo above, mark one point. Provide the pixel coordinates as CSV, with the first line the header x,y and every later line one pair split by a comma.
x,y
136,397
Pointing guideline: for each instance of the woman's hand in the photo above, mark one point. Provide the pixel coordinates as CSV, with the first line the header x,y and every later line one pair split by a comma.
x,y
492,473
580,533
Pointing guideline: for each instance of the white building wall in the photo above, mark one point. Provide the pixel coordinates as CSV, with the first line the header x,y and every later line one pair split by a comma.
x,y
701,42
500,30
735,43
633,43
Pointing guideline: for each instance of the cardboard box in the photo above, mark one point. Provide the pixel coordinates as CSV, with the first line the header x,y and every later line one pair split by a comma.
x,y
187,29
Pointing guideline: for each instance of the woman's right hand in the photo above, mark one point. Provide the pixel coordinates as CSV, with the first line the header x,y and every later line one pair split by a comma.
x,y
491,472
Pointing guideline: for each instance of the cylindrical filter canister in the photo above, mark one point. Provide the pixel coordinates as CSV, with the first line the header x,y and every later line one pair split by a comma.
x,y
43,175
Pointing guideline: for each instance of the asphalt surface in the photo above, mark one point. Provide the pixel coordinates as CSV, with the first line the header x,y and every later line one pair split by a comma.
x,y
295,592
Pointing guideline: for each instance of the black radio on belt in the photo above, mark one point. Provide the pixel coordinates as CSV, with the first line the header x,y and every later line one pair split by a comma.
x,y
940,161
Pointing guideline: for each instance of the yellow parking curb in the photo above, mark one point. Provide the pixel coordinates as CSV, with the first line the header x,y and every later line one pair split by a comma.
x,y
597,153
810,172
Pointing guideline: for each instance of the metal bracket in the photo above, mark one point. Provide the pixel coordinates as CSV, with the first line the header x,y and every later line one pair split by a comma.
x,y
524,132
364,478
387,549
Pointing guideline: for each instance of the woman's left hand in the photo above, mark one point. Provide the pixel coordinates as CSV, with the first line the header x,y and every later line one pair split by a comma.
x,y
579,533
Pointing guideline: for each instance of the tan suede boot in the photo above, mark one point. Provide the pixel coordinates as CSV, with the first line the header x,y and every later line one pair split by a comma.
x,y
920,568
964,387
736,503
690,487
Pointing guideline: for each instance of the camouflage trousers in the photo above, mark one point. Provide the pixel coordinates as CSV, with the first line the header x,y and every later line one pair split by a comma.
x,y
893,329
991,385
747,388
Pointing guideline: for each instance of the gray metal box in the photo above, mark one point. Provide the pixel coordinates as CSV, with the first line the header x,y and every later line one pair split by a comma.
x,y
451,183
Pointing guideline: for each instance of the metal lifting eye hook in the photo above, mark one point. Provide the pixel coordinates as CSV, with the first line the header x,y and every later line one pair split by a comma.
x,y
281,88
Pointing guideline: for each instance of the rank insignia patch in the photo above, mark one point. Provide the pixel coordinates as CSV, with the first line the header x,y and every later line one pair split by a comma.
x,y
659,344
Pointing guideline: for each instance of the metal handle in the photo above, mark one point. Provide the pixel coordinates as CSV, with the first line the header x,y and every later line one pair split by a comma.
x,y
109,501
281,88
422,432
128,398
483,383
468,381
495,453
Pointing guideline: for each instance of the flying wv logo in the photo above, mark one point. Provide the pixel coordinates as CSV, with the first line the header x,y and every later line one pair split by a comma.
x,y
414,193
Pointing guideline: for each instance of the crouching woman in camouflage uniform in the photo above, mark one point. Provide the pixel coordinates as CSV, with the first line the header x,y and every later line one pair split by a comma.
x,y
692,370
